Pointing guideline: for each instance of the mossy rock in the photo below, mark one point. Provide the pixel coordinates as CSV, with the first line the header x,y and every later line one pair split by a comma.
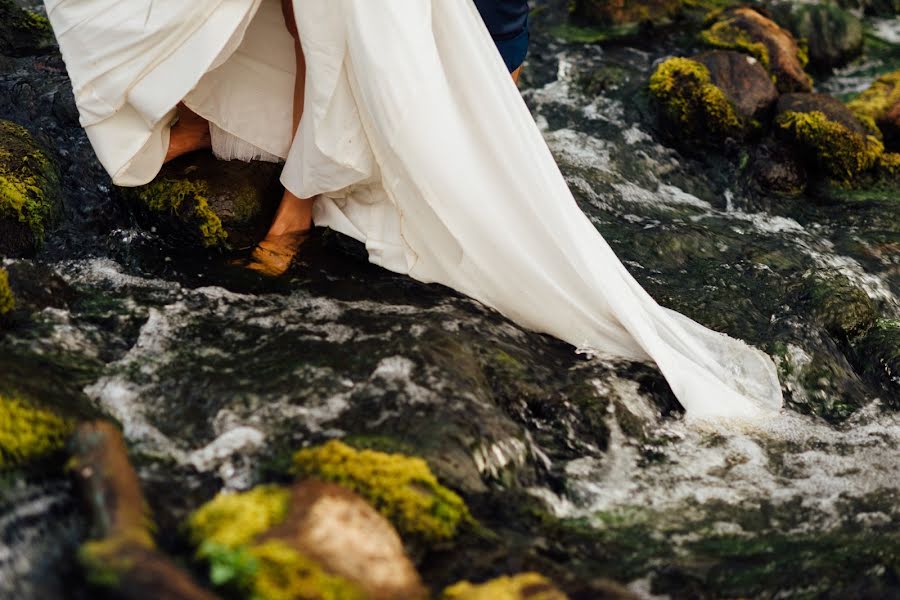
x,y
833,36
309,541
877,354
618,13
821,127
29,433
526,586
29,192
746,30
841,307
744,82
879,107
691,106
197,201
401,487
23,32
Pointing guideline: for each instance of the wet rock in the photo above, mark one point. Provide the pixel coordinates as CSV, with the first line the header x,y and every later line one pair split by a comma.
x,y
29,192
879,106
824,129
882,8
841,307
878,355
527,586
748,31
123,555
36,286
199,202
619,12
833,35
23,32
402,488
29,433
744,81
777,171
691,106
312,540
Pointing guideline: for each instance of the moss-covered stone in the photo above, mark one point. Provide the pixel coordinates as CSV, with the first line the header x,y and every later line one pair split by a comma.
x,y
7,300
401,487
200,202
844,309
745,30
618,13
878,355
28,433
23,32
837,150
526,586
877,106
833,35
233,520
29,191
889,166
691,105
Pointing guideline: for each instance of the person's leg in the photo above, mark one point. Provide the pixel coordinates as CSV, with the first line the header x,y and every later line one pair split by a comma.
x,y
190,133
293,220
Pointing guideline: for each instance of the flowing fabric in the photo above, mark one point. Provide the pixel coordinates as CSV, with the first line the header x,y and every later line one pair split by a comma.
x,y
414,141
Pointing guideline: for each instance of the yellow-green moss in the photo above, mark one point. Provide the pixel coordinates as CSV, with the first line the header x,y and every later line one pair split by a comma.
x,y
168,196
728,37
233,520
7,300
881,96
284,574
527,586
28,180
691,102
889,165
843,154
105,560
28,433
401,487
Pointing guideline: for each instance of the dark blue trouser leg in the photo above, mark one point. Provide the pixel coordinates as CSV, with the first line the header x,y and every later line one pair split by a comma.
x,y
507,20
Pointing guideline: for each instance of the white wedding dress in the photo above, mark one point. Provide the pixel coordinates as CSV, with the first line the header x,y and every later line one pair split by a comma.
x,y
413,140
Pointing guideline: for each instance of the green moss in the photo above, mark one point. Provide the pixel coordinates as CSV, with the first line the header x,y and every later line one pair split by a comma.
x,y
189,200
689,100
844,309
401,487
576,34
233,520
526,586
7,300
104,561
226,529
728,37
28,433
841,153
29,182
881,96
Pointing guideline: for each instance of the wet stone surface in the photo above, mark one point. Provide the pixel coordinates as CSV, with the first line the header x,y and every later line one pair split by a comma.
x,y
577,467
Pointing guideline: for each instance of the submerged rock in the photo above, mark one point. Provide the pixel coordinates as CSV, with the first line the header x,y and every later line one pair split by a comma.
x,y
691,106
23,32
833,35
879,106
748,31
822,127
402,488
618,12
29,191
527,586
199,202
312,540
28,433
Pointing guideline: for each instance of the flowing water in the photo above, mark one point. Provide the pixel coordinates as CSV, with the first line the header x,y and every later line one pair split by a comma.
x,y
216,375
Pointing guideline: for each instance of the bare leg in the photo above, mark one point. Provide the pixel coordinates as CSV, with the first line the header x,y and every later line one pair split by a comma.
x,y
515,75
190,133
294,217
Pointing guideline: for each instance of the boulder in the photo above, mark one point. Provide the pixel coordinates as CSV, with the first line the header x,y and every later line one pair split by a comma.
x,y
744,81
826,131
691,106
621,12
23,32
310,540
834,36
29,192
879,107
748,31
197,201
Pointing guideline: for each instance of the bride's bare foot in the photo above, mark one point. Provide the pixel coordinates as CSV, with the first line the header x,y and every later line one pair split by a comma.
x,y
190,133
289,230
